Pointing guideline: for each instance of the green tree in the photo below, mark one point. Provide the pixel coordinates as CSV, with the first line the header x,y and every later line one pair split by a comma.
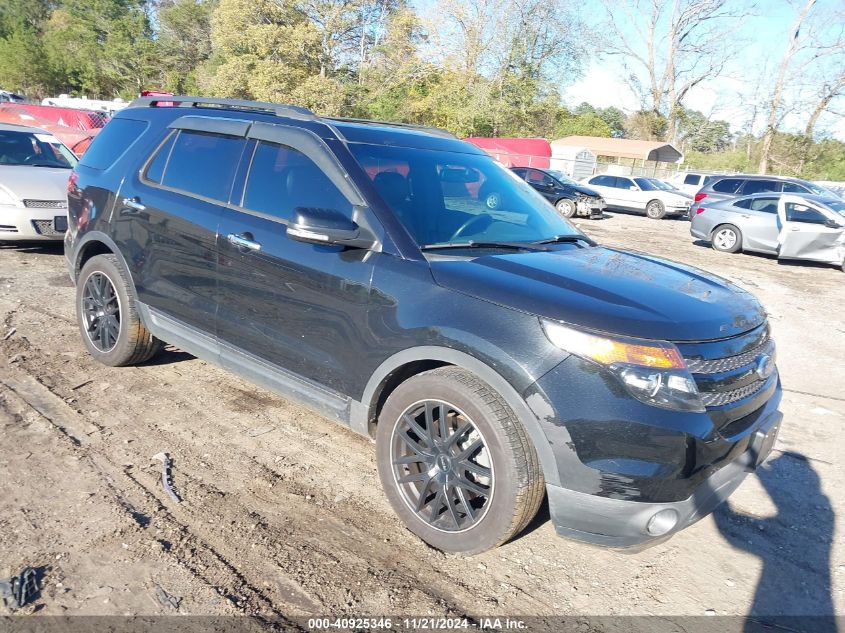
x,y
23,64
184,43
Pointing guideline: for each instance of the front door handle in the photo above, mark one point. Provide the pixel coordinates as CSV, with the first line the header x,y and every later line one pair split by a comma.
x,y
243,240
134,204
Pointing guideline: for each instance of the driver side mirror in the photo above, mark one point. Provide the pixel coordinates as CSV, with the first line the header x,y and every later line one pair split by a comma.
x,y
833,224
327,226
633,187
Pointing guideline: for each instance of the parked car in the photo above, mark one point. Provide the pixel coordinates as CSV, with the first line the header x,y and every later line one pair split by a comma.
x,y
569,197
691,182
739,185
495,355
808,227
639,194
11,97
34,170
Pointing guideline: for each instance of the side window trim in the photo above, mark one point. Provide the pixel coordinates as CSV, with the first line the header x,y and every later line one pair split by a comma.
x,y
185,192
145,166
212,125
315,149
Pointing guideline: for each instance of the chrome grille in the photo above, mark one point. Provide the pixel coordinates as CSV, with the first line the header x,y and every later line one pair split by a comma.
x,y
720,398
45,204
45,227
717,365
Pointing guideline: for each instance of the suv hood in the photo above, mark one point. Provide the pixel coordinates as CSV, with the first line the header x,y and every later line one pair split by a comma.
x,y
35,183
604,289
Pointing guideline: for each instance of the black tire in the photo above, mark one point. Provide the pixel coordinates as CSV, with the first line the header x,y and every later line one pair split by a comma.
x,y
566,207
515,483
97,313
655,210
726,238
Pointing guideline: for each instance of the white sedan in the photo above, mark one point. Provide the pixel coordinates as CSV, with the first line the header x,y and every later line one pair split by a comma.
x,y
639,194
34,170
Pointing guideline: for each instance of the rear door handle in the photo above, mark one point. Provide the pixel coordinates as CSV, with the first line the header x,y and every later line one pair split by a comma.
x,y
134,204
243,240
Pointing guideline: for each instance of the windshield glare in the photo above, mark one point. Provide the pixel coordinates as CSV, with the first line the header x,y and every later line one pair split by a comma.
x,y
34,149
566,180
837,206
451,197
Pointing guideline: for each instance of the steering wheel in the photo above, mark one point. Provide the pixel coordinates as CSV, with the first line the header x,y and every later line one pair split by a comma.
x,y
473,220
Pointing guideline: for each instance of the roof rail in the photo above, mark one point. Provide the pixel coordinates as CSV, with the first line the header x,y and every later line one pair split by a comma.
x,y
411,126
181,101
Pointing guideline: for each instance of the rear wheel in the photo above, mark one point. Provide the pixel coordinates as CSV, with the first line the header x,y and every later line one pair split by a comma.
x,y
655,210
455,462
108,317
566,207
726,238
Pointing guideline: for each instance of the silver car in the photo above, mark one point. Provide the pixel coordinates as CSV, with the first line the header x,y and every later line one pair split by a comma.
x,y
791,226
34,170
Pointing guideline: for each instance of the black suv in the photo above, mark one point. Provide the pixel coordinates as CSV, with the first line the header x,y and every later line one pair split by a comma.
x,y
570,198
496,356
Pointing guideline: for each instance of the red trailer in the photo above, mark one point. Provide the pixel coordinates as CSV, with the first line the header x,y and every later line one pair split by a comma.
x,y
74,128
515,152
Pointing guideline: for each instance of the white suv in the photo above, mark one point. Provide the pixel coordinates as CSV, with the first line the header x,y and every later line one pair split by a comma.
x,y
691,182
639,194
34,170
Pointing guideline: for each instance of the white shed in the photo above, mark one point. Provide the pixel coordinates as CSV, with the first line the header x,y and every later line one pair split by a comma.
x,y
574,161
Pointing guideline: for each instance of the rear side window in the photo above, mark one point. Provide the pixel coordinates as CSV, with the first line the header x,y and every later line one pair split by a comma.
x,y
744,203
727,185
155,170
604,181
759,186
282,179
203,164
112,142
691,179
766,205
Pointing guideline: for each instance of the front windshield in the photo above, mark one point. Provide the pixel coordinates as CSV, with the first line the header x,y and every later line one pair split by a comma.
x,y
837,206
34,149
660,184
566,180
645,184
821,191
450,197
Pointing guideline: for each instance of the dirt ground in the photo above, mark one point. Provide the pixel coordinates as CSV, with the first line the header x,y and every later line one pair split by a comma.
x,y
282,512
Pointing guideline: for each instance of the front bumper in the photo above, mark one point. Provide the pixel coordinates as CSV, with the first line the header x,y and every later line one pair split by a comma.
x,y
633,525
588,207
26,224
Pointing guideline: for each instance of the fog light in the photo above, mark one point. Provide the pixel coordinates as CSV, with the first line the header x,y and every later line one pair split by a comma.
x,y
662,522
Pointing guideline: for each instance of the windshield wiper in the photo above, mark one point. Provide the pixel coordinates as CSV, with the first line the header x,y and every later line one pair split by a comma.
x,y
567,239
516,246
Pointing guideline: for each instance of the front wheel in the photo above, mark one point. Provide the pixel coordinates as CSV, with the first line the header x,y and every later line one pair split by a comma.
x,y
566,207
655,210
455,463
108,317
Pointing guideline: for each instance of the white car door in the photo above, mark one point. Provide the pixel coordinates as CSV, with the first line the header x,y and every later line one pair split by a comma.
x,y
809,231
630,195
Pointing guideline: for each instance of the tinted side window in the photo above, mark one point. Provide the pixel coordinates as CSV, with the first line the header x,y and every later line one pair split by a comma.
x,y
282,179
744,203
691,179
112,142
727,185
766,205
624,183
758,186
536,177
802,213
155,170
794,187
604,181
203,164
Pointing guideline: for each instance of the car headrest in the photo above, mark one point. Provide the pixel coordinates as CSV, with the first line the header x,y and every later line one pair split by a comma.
x,y
392,186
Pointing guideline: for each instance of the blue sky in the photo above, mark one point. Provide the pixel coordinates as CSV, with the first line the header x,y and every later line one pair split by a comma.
x,y
759,44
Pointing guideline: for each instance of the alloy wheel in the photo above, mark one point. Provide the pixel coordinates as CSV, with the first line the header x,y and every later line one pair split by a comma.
x,y
725,239
442,466
101,311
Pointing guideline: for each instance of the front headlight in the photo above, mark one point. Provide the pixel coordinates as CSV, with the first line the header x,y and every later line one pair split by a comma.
x,y
653,372
6,197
